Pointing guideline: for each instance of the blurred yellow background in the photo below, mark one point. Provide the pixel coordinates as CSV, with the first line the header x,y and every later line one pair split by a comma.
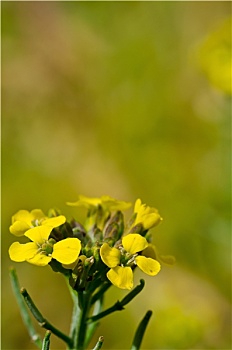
x,y
129,99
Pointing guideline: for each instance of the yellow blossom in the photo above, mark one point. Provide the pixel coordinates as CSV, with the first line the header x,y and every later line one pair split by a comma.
x,y
120,260
145,215
41,250
108,203
24,220
99,209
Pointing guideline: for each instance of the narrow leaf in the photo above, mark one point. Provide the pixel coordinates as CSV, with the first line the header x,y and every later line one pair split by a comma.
x,y
46,341
140,331
99,343
23,309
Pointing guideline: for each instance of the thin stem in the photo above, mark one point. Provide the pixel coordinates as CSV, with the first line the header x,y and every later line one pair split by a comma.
x,y
100,292
119,305
116,307
23,309
46,341
42,321
140,331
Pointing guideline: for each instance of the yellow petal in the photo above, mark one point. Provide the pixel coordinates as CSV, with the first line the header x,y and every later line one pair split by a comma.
x,y
18,228
134,243
121,277
37,214
85,202
22,215
147,216
151,220
21,252
40,259
167,259
67,250
110,256
39,234
55,221
81,259
114,204
138,204
149,266
89,200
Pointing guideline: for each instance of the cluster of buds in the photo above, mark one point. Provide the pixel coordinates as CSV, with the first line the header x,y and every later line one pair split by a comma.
x,y
103,250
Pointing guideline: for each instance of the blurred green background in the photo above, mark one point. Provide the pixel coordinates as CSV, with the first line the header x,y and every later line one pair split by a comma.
x,y
129,99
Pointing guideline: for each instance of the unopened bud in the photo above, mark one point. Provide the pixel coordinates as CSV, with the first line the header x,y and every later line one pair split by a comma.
x,y
137,229
96,253
111,231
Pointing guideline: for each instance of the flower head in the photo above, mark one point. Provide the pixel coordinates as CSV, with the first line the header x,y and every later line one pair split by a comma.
x,y
145,215
41,250
121,260
24,220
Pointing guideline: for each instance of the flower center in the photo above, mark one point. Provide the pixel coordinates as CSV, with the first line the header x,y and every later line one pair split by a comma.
x,y
47,247
127,259
36,222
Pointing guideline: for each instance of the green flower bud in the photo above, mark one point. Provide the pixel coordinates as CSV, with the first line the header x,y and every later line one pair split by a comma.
x,y
138,229
96,253
115,226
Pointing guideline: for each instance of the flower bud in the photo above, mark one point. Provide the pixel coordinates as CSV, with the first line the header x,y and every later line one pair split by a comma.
x,y
137,229
96,253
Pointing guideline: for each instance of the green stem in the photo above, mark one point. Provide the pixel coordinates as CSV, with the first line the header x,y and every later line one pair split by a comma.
x,y
116,307
119,305
42,321
79,341
23,309
46,341
140,331
75,313
75,318
92,327
101,291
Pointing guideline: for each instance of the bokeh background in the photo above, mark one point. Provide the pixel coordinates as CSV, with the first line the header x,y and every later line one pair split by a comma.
x,y
129,99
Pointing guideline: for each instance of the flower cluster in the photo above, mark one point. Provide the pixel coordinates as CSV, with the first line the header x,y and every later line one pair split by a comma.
x,y
101,249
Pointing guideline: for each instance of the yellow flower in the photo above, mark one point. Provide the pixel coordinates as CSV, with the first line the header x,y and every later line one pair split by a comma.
x,y
145,215
107,203
99,209
120,260
24,220
41,250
